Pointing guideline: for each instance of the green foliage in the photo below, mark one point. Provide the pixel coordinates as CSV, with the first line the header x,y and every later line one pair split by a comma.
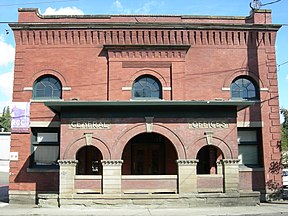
x,y
5,119
284,137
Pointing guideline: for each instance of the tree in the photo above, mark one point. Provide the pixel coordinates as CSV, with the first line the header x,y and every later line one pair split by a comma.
x,y
284,137
5,119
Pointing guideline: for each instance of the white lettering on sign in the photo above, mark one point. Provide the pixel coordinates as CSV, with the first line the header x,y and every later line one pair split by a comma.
x,y
208,124
90,125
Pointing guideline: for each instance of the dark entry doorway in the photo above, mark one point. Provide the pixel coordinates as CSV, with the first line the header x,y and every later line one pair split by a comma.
x,y
149,154
89,161
148,158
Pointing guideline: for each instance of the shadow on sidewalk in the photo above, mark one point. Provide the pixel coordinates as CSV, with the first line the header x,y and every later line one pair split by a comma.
x,y
4,194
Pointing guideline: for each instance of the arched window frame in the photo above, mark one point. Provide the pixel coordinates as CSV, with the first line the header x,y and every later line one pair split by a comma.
x,y
147,81
245,87
54,84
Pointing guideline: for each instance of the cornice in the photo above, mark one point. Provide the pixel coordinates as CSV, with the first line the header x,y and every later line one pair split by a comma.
x,y
230,161
67,162
111,162
189,162
141,25
144,39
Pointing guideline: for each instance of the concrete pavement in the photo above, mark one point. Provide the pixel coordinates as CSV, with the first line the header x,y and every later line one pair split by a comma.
x,y
275,208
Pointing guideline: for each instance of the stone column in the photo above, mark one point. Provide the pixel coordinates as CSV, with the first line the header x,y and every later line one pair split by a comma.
x,y
231,175
187,176
219,167
66,178
112,176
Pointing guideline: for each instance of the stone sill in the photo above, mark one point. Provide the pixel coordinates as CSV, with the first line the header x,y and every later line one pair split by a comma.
x,y
209,176
148,177
34,170
88,177
249,169
44,100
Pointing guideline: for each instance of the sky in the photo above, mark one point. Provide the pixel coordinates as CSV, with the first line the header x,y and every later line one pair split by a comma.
x,y
9,13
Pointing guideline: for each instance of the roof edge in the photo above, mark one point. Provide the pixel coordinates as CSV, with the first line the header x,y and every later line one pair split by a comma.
x,y
56,106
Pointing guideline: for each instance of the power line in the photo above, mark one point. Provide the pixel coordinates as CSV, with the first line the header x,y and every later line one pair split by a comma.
x,y
271,3
29,3
256,4
286,62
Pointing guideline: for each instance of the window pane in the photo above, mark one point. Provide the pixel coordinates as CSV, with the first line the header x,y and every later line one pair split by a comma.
x,y
146,87
146,92
46,155
248,154
47,137
47,87
247,136
40,93
243,88
49,90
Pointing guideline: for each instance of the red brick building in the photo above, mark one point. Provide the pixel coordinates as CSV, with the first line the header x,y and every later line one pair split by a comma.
x,y
146,109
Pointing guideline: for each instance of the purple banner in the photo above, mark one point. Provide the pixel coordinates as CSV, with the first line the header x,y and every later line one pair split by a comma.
x,y
20,117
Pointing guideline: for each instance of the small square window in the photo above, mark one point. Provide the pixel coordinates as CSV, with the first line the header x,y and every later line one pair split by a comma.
x,y
44,147
249,147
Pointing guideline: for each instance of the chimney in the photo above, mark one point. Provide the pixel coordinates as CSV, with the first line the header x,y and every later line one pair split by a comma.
x,y
261,16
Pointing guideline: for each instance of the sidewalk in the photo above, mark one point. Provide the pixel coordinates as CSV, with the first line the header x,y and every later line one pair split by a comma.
x,y
276,208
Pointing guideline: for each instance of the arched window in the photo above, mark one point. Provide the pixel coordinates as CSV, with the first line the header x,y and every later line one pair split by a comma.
x,y
47,87
208,157
146,87
243,88
89,161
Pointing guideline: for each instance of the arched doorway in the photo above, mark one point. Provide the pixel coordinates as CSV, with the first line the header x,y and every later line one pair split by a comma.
x,y
149,154
208,156
89,161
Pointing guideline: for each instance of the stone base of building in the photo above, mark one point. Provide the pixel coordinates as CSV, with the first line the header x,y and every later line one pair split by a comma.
x,y
150,200
31,198
22,197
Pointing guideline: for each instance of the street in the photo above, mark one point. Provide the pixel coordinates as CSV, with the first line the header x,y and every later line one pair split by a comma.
x,y
4,180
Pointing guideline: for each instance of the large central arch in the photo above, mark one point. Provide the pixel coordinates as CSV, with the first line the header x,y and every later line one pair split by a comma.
x,y
149,154
141,128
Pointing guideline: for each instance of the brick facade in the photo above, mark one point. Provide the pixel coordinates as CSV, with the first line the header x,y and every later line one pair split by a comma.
x,y
195,59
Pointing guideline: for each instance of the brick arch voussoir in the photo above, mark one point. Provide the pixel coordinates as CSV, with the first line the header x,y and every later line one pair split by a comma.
x,y
141,128
53,72
217,142
72,149
147,71
233,75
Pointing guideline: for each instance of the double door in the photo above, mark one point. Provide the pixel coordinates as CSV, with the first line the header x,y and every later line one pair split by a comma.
x,y
148,158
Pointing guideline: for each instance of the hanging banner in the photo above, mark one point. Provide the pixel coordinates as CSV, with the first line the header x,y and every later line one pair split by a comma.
x,y
20,117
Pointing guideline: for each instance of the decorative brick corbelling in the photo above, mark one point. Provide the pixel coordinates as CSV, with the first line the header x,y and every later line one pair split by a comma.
x,y
146,64
147,54
183,162
80,35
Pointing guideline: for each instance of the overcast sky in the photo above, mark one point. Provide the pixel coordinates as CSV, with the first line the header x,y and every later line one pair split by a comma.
x,y
9,13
